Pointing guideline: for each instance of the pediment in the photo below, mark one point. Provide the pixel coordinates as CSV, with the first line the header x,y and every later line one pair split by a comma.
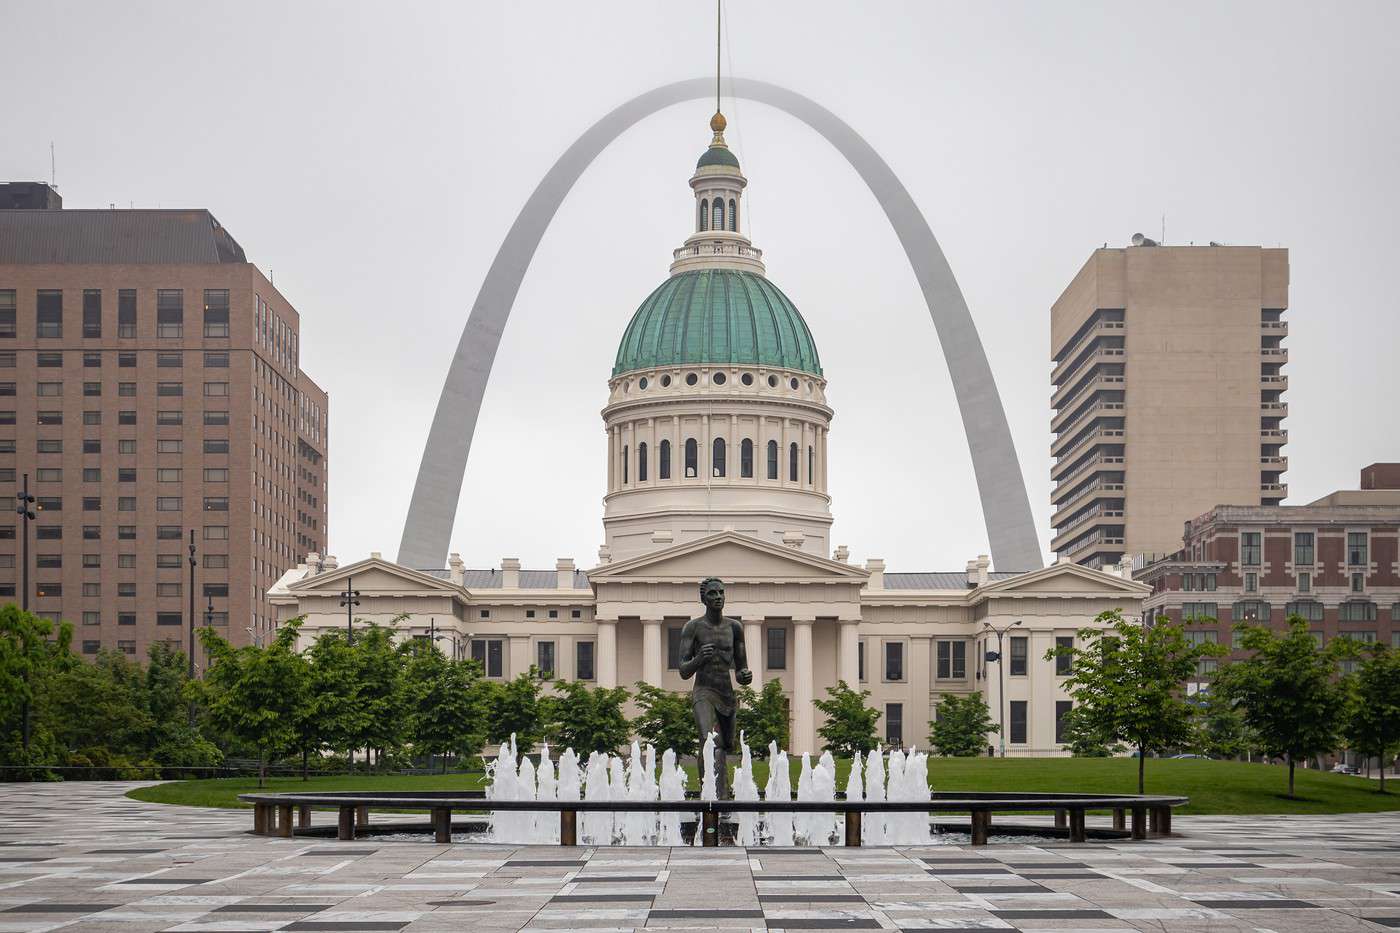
x,y
732,557
372,576
1067,580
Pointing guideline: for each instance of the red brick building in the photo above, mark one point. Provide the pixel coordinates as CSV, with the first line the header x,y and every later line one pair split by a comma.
x,y
150,385
1335,562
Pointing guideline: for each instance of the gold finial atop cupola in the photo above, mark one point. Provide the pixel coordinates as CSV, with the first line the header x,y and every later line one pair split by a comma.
x,y
717,124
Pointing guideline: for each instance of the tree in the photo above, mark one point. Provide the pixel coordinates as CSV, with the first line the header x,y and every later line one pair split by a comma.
x,y
1127,679
327,718
1288,690
1221,731
960,727
444,704
253,693
1083,736
850,724
27,659
1372,724
377,667
514,708
763,716
588,719
666,720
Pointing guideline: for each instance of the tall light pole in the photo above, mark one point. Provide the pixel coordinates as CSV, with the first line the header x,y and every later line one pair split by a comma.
x,y
998,657
23,501
349,599
193,562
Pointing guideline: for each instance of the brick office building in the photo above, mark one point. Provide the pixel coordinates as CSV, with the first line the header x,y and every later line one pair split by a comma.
x,y
150,386
1335,562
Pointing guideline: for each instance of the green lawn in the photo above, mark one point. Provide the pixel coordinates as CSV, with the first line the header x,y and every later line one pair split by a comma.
x,y
1213,786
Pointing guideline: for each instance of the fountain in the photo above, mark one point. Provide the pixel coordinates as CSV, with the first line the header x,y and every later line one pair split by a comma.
x,y
672,788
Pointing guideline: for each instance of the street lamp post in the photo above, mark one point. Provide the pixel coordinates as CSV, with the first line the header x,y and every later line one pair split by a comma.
x,y
193,562
349,599
998,657
23,501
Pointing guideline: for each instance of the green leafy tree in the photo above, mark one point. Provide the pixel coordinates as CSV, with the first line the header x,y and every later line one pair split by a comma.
x,y
444,705
1221,731
1083,736
31,650
1288,690
665,719
961,725
588,719
516,708
850,724
327,719
1372,724
98,710
763,716
253,693
377,723
1127,681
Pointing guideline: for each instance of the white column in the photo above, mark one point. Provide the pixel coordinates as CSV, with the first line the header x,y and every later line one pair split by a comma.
x,y
753,647
804,729
651,651
848,657
607,653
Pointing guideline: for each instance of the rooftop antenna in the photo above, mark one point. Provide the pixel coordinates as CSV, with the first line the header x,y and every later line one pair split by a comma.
x,y
53,174
718,20
1163,240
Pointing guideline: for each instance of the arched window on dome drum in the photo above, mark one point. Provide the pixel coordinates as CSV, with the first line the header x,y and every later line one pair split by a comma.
x,y
792,463
704,214
663,463
642,462
624,464
717,214
746,458
717,458
772,459
733,216
691,457
811,465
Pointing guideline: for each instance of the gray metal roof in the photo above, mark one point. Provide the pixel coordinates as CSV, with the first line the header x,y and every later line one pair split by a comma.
x,y
529,579
938,580
115,236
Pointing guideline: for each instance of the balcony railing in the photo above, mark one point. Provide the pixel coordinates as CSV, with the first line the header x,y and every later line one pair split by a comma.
x,y
1101,355
1096,463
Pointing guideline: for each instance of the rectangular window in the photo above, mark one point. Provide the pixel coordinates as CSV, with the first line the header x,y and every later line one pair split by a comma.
x,y
126,417
126,532
216,418
487,651
126,503
894,660
7,312
170,312
126,312
49,389
92,646
50,504
1018,722
777,648
169,446
216,312
169,618
216,503
126,474
92,504
216,445
1199,612
7,359
126,618
126,360
49,445
127,647
1251,548
544,656
1305,582
126,389
49,475
49,313
168,475
50,417
169,533
48,589
49,532
216,590
48,561
216,360
168,504
1308,609
168,589
894,724
168,561
1358,582
583,660
1251,582
673,648
952,660
1061,708
170,389
1202,636
92,312
92,445
215,533
7,389
92,389
216,474
1064,664
1303,549
92,532
860,660
216,390
1020,649
1356,611
170,417
216,561
1357,552
7,417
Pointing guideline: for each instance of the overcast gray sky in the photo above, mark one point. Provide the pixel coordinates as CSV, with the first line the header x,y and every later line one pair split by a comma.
x,y
372,156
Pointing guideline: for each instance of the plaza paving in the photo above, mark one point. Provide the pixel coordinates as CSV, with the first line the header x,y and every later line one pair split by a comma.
x,y
84,858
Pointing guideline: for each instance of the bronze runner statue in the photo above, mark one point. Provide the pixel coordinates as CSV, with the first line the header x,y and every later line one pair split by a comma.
x,y
711,646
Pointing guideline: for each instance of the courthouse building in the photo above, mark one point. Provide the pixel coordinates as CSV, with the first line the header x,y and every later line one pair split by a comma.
x,y
717,430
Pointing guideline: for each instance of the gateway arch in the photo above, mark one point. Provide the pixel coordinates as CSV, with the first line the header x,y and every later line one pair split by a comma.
x,y
1005,507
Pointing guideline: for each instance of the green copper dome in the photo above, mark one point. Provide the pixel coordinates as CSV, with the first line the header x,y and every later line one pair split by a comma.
x,y
717,317
717,155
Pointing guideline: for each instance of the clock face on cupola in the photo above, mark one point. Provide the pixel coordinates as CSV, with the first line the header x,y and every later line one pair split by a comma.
x,y
716,415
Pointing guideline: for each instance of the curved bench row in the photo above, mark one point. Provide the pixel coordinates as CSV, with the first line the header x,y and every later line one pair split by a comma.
x,y
272,813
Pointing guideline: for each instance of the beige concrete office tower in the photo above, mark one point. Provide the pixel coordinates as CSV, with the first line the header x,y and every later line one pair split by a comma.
x,y
149,386
1167,391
